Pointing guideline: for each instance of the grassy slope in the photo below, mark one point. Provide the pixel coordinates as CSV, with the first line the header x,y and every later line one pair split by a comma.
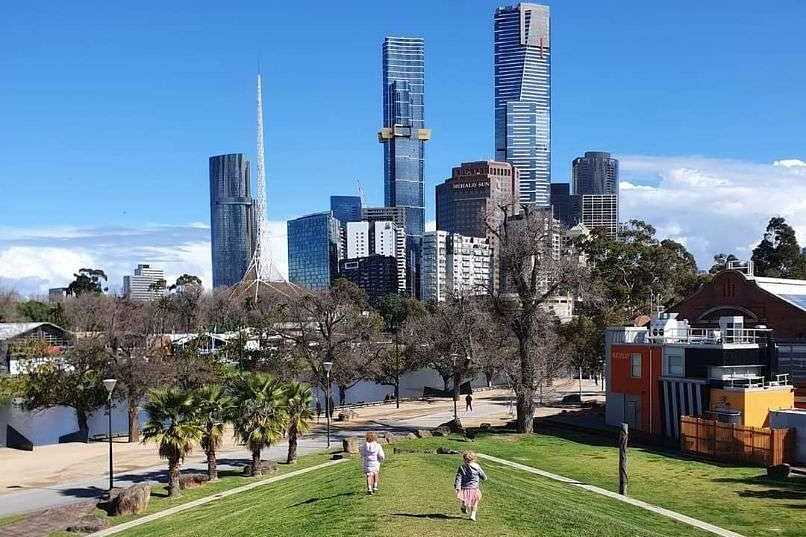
x,y
735,497
416,498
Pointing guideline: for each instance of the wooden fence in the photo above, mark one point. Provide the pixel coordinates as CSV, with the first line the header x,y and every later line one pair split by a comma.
x,y
727,441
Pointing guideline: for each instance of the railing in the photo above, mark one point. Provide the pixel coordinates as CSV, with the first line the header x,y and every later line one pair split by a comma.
x,y
708,336
731,442
755,381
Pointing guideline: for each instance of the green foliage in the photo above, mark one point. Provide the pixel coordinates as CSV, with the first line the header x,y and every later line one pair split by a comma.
x,y
42,312
11,387
778,255
395,309
87,280
211,405
186,280
298,397
171,422
258,411
721,262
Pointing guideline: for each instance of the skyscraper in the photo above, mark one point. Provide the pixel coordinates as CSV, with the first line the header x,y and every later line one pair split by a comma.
x,y
232,218
346,208
594,178
523,96
314,250
561,205
403,133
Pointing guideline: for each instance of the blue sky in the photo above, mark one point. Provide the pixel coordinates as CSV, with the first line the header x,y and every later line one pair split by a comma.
x,y
110,109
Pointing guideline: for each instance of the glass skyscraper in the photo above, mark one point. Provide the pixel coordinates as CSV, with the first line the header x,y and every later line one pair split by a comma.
x,y
403,134
314,250
346,208
595,173
233,231
523,97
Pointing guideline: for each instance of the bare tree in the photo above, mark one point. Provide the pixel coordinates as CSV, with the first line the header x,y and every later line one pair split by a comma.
x,y
535,267
8,305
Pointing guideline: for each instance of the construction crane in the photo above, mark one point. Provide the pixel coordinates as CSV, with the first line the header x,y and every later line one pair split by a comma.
x,y
360,192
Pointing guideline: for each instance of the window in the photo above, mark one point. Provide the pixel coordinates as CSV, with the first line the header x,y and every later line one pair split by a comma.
x,y
673,365
635,366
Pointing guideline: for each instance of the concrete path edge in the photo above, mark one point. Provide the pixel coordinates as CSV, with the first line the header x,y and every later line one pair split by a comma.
x,y
207,499
674,515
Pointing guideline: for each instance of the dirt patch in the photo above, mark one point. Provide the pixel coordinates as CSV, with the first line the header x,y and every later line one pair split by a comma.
x,y
43,523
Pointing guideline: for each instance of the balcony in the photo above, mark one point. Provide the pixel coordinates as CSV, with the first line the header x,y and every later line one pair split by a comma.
x,y
708,336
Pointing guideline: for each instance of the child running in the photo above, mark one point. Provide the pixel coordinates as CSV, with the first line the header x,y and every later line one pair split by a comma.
x,y
468,477
373,457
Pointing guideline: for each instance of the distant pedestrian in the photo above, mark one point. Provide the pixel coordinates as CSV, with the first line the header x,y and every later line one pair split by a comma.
x,y
468,403
373,455
318,409
468,479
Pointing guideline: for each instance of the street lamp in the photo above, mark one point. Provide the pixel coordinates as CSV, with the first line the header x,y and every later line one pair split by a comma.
x,y
455,395
109,384
328,366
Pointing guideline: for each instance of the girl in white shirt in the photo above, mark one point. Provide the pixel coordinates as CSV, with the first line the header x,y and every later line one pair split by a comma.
x,y
373,457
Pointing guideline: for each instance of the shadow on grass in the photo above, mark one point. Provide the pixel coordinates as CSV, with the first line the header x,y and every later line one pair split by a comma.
x,y
317,499
432,516
775,489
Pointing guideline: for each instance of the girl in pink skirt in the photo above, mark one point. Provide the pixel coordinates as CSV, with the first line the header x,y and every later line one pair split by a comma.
x,y
468,477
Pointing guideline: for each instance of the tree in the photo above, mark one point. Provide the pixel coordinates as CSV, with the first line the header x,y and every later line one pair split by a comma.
x,y
172,425
185,280
8,305
211,405
533,272
87,280
72,380
389,365
298,399
258,413
41,312
582,339
778,255
721,262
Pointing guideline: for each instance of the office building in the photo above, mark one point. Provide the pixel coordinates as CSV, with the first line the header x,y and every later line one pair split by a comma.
x,y
471,199
561,206
144,284
597,211
346,208
57,294
314,250
375,274
403,133
233,230
595,173
384,214
523,96
453,264
378,238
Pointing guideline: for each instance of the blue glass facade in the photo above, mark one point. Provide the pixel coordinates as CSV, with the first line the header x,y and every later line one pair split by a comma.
x,y
314,250
346,208
233,233
523,97
404,134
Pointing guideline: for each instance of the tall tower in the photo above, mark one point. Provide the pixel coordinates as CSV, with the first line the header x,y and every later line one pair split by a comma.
x,y
523,97
594,178
403,136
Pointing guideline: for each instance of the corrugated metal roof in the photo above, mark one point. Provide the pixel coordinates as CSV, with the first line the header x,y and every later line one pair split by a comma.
x,y
10,330
793,291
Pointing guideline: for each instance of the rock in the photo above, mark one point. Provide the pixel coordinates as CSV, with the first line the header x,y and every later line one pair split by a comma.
x,y
90,524
268,467
778,471
446,451
439,432
345,415
191,481
350,445
423,433
392,438
131,500
453,426
411,436
572,399
341,455
485,426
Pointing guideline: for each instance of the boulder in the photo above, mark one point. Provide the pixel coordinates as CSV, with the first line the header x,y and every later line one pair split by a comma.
x,y
572,399
268,467
191,481
350,445
411,436
423,433
341,455
345,415
131,500
778,471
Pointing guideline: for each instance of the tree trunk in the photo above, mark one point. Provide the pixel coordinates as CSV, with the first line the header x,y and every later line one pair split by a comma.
x,y
134,420
173,478
397,391
292,445
257,466
342,394
489,376
81,417
525,405
212,467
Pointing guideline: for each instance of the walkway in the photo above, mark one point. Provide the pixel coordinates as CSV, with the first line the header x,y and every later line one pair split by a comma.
x,y
674,515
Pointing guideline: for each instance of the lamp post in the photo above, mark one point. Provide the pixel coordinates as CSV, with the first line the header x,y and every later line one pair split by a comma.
x,y
455,395
109,384
328,366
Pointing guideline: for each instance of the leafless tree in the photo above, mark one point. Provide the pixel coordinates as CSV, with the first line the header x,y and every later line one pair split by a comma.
x,y
8,305
535,268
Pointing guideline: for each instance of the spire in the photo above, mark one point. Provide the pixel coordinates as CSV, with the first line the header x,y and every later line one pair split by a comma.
x,y
262,250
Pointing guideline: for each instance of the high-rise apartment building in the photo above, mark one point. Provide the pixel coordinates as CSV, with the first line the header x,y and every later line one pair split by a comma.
x,y
454,265
376,275
233,231
346,208
523,96
378,238
471,199
314,250
141,285
403,133
594,178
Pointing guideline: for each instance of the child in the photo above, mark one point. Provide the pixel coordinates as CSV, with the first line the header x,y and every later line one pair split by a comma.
x,y
373,457
468,477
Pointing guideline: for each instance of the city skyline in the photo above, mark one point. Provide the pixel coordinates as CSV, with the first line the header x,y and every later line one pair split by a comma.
x,y
658,159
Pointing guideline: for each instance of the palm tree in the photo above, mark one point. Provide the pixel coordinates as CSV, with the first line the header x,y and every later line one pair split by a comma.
x,y
298,398
212,405
258,413
172,425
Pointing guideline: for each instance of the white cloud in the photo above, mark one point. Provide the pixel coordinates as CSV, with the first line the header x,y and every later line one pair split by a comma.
x,y
713,205
34,259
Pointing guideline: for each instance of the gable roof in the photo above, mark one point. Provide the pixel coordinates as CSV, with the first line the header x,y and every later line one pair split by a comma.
x,y
791,291
11,330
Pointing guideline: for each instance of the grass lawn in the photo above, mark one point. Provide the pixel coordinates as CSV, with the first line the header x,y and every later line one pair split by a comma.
x,y
416,499
739,498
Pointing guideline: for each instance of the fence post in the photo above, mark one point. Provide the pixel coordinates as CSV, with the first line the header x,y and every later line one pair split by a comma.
x,y
622,459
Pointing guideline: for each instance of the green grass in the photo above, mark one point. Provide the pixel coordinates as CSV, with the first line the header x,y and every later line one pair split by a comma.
x,y
739,498
11,518
417,499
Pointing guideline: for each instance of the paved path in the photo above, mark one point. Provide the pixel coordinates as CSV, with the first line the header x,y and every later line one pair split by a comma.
x,y
674,515
207,499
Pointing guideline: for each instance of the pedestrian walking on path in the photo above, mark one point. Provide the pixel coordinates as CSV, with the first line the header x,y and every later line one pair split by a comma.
x,y
469,402
468,478
373,455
